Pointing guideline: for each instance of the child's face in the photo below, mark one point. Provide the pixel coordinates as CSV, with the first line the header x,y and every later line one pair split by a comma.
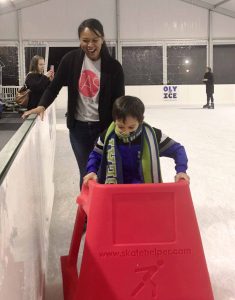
x,y
130,125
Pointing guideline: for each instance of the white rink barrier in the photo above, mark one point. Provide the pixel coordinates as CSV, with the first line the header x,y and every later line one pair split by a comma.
x,y
182,95
169,95
26,200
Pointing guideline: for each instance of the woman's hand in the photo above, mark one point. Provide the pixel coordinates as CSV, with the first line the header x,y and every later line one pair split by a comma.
x,y
38,110
89,176
50,74
183,176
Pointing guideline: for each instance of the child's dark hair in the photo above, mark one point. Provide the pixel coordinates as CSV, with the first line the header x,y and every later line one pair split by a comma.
x,y
128,106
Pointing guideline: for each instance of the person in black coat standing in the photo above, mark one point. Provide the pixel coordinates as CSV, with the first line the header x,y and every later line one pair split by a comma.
x,y
209,81
37,81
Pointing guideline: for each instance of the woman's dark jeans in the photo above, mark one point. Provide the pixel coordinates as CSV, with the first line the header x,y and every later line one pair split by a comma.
x,y
83,137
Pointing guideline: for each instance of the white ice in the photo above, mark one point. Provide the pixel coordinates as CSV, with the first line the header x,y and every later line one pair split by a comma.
x,y
208,136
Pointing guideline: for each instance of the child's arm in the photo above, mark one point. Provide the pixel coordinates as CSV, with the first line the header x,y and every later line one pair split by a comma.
x,y
178,153
92,168
94,161
172,149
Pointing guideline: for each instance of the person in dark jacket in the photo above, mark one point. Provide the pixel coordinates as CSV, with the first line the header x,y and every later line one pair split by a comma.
x,y
129,150
209,81
94,81
37,81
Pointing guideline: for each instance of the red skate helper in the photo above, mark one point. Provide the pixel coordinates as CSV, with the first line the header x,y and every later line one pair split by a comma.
x,y
142,243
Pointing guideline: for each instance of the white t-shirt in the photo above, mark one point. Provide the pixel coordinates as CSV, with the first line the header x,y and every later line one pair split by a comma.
x,y
88,88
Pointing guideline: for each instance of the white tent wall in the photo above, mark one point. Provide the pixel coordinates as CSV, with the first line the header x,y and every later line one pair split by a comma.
x,y
223,27
152,19
59,20
170,19
8,27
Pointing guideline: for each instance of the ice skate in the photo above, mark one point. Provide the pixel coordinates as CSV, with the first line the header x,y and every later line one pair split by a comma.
x,y
211,106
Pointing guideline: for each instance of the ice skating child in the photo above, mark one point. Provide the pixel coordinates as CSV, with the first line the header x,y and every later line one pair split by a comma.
x,y
129,150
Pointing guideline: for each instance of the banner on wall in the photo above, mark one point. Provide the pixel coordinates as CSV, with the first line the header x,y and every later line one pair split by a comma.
x,y
170,92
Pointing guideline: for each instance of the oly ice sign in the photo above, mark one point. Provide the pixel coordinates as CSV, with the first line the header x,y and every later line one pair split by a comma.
x,y
170,92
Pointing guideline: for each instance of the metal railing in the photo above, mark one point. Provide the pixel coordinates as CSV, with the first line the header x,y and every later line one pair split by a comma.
x,y
8,93
7,97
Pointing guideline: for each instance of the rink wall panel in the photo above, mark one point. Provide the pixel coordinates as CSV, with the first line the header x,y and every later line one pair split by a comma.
x,y
26,200
155,95
181,94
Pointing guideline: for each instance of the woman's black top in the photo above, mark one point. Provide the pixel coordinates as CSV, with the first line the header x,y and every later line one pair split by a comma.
x,y
68,74
37,83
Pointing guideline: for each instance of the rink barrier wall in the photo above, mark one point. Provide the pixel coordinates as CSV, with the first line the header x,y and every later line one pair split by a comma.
x,y
177,95
26,200
182,95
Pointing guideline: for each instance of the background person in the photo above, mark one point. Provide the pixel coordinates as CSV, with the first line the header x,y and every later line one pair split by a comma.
x,y
209,81
37,81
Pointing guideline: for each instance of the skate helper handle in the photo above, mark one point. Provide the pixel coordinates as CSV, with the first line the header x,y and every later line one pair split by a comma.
x,y
83,201
83,198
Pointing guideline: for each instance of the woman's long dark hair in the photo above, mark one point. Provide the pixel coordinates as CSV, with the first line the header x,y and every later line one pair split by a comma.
x,y
95,26
34,64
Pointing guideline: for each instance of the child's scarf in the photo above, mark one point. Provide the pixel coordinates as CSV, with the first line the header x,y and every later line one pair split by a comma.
x,y
111,164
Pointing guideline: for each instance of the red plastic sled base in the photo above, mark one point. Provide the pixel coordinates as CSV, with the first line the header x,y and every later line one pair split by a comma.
x,y
142,243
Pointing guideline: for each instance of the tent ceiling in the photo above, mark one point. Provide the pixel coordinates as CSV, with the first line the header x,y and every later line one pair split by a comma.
x,y
224,7
8,6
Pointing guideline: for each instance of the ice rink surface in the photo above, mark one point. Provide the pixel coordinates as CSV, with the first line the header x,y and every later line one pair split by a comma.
x,y
209,139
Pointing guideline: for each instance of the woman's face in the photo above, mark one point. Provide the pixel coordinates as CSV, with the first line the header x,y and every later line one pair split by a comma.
x,y
41,65
91,43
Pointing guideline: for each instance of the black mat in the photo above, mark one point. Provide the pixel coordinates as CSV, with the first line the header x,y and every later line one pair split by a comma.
x,y
9,126
10,116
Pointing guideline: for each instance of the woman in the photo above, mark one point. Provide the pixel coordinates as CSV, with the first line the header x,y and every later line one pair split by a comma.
x,y
209,81
37,81
94,81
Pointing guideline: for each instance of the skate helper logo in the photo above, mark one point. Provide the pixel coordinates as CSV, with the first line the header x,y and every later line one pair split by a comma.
x,y
170,92
148,279
89,84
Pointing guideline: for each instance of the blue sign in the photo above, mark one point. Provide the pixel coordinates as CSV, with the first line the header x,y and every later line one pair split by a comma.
x,y
170,92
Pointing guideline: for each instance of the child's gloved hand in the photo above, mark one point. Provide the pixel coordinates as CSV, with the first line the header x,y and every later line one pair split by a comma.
x,y
89,176
183,176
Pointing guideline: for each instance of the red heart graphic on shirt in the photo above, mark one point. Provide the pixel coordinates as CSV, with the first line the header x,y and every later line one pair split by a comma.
x,y
88,84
